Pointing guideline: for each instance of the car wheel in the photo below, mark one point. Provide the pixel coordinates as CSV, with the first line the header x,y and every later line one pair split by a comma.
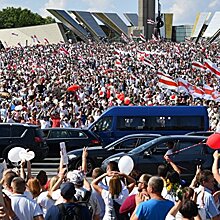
x,y
90,165
5,155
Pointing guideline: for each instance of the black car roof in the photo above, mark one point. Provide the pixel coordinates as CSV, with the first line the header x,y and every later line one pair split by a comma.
x,y
20,124
76,129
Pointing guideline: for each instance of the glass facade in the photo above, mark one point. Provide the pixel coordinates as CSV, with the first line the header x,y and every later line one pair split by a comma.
x,y
181,32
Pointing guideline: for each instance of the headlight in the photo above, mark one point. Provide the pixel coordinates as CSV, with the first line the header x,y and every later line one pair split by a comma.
x,y
71,156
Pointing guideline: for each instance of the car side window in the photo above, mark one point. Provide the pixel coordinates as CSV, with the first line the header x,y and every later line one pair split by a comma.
x,y
58,134
198,149
17,131
159,149
128,144
144,140
5,131
77,134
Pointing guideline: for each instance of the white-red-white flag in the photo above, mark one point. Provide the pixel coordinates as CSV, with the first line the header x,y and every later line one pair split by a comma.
x,y
63,50
168,83
197,92
161,73
183,85
36,39
150,21
124,38
198,66
46,41
118,63
142,37
212,67
81,59
148,62
208,91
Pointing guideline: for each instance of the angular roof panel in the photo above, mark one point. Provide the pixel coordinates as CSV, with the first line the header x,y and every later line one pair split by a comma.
x,y
132,18
117,21
213,26
201,19
91,24
69,22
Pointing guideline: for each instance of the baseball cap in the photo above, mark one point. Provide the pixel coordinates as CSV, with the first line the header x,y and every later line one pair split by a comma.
x,y
67,190
76,177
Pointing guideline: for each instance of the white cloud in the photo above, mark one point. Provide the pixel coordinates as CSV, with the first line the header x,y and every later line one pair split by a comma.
x,y
214,3
99,5
52,4
184,11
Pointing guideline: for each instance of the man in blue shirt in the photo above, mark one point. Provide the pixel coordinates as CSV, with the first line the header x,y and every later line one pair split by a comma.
x,y
156,207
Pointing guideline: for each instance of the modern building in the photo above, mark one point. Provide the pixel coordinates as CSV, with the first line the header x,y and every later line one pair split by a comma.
x,y
40,34
181,32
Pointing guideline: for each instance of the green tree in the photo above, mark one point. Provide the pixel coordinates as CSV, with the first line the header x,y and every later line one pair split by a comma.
x,y
11,17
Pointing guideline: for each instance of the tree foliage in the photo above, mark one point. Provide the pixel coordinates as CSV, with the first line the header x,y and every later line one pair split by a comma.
x,y
11,17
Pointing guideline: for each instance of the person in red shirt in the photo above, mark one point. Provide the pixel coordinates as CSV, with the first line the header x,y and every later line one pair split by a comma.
x,y
55,120
128,206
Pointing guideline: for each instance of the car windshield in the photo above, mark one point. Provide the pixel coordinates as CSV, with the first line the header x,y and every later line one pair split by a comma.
x,y
142,147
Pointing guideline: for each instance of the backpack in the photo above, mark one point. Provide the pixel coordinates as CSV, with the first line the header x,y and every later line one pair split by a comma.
x,y
74,214
118,216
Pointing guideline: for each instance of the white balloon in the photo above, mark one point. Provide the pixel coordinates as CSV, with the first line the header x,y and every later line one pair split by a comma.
x,y
126,165
13,154
26,155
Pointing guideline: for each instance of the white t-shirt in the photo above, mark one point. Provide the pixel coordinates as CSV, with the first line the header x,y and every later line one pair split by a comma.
x,y
45,202
109,202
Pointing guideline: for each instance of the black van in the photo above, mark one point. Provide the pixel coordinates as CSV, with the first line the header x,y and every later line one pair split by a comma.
x,y
22,135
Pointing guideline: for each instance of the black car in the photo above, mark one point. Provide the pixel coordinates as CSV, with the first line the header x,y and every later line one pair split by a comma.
x,y
99,153
74,138
148,156
201,133
22,135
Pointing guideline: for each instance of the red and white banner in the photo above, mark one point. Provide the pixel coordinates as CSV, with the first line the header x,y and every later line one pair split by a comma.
x,y
63,50
142,37
198,66
46,41
118,63
161,73
148,63
124,38
183,85
212,67
150,21
36,39
197,92
168,83
208,92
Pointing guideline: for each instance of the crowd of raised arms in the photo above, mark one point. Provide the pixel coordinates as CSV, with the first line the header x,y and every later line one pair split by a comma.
x,y
112,195
34,80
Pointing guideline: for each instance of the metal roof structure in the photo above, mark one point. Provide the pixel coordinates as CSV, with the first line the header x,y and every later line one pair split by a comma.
x,y
89,21
132,18
69,22
112,21
213,26
201,19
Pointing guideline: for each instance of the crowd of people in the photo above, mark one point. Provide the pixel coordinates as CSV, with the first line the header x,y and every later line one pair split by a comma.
x,y
71,84
112,195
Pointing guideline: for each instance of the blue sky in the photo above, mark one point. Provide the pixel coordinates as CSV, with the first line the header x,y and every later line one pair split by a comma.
x,y
184,10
